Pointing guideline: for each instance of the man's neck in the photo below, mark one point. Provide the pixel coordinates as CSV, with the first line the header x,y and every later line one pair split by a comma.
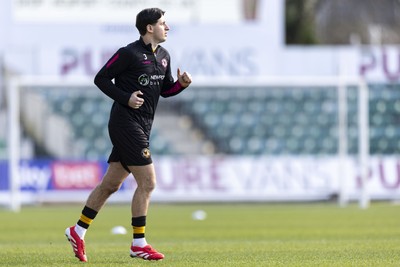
x,y
148,40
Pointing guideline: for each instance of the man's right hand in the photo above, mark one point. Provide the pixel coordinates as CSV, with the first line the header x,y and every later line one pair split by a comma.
x,y
135,101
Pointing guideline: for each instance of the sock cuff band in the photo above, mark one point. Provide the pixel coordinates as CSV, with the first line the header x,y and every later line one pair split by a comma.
x,y
89,213
139,221
138,229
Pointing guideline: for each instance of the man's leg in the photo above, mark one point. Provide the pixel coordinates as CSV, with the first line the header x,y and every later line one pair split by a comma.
x,y
110,183
145,177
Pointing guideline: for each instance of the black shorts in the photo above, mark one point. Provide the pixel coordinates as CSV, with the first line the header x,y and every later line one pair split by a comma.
x,y
130,143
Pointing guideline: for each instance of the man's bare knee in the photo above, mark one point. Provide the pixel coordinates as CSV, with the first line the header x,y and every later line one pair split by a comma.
x,y
145,177
109,188
113,178
147,186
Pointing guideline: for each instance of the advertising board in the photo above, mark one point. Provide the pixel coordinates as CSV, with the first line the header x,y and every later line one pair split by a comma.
x,y
214,179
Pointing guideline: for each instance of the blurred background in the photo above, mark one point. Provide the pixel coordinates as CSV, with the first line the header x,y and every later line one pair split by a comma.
x,y
275,112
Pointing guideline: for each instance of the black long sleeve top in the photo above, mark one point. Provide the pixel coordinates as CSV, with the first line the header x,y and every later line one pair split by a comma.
x,y
136,67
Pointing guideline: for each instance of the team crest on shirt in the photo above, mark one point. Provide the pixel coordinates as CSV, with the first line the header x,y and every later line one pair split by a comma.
x,y
146,153
164,62
144,79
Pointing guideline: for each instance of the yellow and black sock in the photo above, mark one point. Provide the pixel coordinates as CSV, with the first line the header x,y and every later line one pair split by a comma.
x,y
138,226
87,217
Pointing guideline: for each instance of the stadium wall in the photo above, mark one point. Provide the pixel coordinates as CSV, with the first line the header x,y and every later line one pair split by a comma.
x,y
207,50
38,44
209,179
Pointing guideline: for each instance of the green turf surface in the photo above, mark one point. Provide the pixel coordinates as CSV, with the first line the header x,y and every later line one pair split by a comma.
x,y
316,234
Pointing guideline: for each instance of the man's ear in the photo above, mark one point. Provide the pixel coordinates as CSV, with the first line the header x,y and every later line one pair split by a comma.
x,y
149,28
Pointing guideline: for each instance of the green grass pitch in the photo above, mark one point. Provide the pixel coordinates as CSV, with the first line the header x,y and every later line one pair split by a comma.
x,y
302,234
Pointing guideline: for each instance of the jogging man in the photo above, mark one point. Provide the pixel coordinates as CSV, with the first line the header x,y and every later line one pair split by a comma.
x,y
141,73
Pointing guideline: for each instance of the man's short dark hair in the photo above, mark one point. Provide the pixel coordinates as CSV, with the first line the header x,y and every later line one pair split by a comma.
x,y
147,16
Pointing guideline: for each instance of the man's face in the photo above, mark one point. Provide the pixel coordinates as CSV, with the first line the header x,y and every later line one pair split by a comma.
x,y
160,30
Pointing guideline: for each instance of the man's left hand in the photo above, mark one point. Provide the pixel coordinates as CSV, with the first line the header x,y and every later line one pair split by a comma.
x,y
185,79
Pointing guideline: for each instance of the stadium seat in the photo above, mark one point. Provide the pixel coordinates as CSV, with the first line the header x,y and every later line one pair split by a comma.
x,y
259,120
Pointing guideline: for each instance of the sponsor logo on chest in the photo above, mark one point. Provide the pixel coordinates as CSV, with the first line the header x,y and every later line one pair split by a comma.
x,y
154,79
